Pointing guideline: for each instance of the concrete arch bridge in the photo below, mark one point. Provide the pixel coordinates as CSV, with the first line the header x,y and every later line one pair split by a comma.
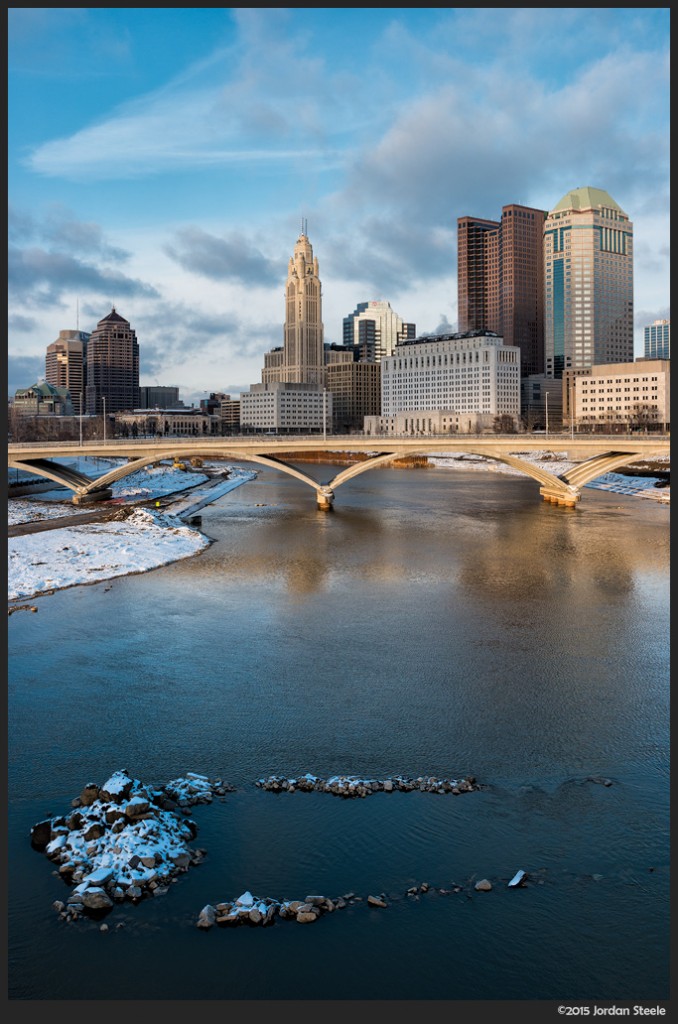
x,y
593,455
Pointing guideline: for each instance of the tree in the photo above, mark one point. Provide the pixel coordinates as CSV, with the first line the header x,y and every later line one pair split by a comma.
x,y
504,424
643,416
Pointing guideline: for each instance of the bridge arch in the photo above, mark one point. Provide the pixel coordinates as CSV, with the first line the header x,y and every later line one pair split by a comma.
x,y
566,491
600,455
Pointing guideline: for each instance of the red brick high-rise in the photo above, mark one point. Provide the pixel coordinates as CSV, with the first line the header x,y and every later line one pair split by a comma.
x,y
500,280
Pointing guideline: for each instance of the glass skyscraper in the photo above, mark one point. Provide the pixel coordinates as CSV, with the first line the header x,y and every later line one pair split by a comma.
x,y
588,282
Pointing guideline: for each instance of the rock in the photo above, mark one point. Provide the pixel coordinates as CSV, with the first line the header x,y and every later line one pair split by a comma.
x,y
305,918
103,927
206,917
376,901
41,833
89,795
255,916
484,885
96,899
246,900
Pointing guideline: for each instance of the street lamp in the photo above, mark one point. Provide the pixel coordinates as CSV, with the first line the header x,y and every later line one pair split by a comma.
x,y
571,410
81,419
103,399
546,399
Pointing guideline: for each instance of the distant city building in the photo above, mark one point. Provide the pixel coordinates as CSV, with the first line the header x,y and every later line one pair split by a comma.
x,y
286,408
657,338
588,281
65,362
625,396
166,423
229,412
301,360
112,366
374,330
152,396
213,403
356,393
500,280
471,376
339,354
43,399
541,402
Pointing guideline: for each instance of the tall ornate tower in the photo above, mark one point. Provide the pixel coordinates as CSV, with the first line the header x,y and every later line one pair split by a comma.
x,y
303,351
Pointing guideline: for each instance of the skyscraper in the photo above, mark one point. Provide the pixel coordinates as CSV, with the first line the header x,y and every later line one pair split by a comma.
x,y
302,359
657,338
500,277
112,366
588,282
374,329
65,364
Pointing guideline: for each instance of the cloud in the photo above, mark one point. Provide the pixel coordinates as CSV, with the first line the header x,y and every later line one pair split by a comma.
x,y
215,339
23,371
37,278
224,259
65,232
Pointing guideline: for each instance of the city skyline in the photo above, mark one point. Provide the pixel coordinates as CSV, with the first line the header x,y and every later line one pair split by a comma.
x,y
171,180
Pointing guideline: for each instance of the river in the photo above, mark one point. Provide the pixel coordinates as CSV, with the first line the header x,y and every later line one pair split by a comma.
x,y
437,622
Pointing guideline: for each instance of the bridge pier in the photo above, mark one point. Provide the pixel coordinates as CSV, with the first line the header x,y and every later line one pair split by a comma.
x,y
568,499
89,497
325,498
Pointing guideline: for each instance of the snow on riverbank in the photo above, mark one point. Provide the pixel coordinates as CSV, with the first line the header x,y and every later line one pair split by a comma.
x,y
150,482
556,463
42,562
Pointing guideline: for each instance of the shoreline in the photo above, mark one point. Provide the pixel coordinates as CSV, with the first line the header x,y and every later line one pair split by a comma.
x,y
159,537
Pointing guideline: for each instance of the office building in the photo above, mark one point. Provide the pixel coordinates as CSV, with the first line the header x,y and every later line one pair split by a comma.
x,y
112,366
625,396
373,329
285,408
588,282
356,393
500,280
159,396
65,362
657,338
471,376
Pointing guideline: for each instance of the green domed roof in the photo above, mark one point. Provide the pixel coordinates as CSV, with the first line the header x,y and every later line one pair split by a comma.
x,y
587,198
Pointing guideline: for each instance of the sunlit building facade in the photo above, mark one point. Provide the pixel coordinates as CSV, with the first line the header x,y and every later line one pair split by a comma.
x,y
588,282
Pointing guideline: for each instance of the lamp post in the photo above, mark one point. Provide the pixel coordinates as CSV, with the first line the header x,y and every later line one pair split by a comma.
x,y
103,399
546,399
571,410
81,419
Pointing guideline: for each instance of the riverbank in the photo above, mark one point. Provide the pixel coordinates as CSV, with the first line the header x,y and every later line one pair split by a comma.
x,y
85,552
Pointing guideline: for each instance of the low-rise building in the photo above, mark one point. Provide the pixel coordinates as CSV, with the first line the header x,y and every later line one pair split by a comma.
x,y
43,399
624,397
285,408
167,423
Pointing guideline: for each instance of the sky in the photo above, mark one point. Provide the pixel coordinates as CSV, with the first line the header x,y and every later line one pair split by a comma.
x,y
161,162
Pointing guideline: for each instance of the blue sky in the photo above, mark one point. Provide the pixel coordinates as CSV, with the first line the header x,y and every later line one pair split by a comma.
x,y
161,161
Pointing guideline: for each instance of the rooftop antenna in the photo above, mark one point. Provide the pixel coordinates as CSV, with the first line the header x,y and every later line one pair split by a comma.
x,y
77,314
304,226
